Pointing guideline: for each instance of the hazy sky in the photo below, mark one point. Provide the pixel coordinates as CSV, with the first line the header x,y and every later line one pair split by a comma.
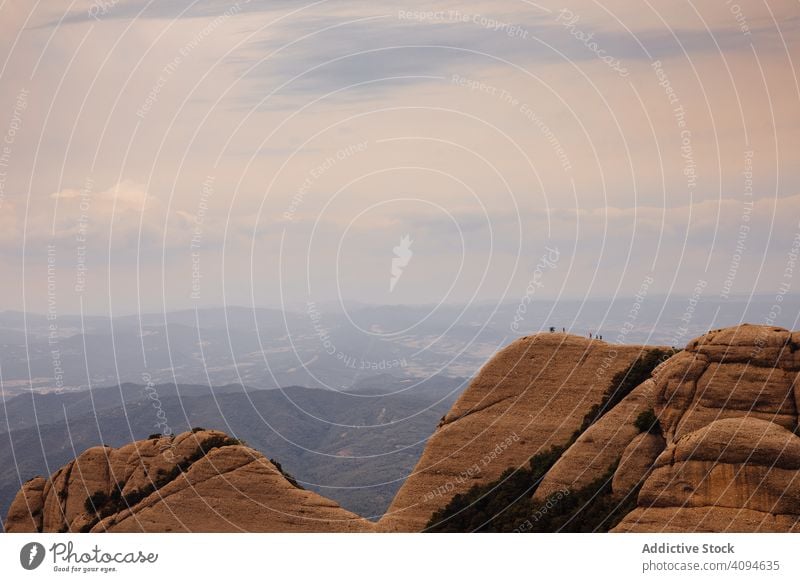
x,y
198,153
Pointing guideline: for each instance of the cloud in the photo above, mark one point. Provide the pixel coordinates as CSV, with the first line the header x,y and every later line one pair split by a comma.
x,y
352,54
120,213
701,224
331,46
100,10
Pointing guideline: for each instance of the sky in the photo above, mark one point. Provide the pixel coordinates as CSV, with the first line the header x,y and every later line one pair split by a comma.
x,y
165,155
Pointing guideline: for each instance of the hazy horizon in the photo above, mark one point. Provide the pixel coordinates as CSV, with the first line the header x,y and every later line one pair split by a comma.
x,y
299,307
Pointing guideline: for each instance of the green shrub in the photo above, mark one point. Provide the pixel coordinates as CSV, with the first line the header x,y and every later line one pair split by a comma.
x,y
506,506
102,504
647,421
285,474
496,506
96,501
624,382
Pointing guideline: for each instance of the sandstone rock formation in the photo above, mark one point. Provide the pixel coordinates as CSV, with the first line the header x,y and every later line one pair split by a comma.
x,y
725,455
532,395
599,447
636,462
736,474
201,481
728,408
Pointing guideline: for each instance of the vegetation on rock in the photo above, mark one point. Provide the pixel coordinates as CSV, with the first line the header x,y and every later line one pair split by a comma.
x,y
647,421
624,382
506,505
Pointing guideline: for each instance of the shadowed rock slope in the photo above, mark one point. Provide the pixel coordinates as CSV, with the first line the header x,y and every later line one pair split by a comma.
x,y
600,447
200,481
532,395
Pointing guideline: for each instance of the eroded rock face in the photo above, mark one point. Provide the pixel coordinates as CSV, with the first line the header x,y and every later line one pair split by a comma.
x,y
599,447
729,413
25,512
636,462
200,481
744,370
530,396
732,466
711,519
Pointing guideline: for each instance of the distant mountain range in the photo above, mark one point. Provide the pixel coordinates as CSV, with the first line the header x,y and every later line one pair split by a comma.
x,y
327,347
356,448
